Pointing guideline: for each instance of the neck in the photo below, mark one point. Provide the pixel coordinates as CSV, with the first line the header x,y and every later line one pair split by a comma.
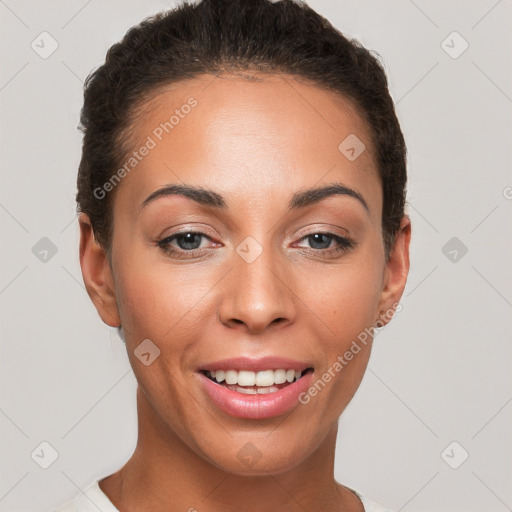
x,y
164,470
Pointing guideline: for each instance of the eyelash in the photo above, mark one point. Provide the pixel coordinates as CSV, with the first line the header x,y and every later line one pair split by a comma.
x,y
343,244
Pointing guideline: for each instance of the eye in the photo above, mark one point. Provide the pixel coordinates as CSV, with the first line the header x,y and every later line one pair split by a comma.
x,y
327,242
185,242
190,244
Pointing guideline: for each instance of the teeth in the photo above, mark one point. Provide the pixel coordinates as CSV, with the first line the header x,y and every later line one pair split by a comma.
x,y
265,391
252,391
279,376
265,379
246,378
231,377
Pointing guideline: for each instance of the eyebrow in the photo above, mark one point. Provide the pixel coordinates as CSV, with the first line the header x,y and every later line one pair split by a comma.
x,y
200,195
314,195
213,199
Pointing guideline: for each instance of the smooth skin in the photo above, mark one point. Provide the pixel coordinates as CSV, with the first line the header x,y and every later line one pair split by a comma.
x,y
256,143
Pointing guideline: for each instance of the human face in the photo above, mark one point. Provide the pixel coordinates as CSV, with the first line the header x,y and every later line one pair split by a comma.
x,y
269,274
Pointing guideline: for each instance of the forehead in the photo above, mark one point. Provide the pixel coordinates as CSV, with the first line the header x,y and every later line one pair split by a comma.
x,y
260,138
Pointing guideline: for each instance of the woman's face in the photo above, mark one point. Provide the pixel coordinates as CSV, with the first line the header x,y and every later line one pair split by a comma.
x,y
251,266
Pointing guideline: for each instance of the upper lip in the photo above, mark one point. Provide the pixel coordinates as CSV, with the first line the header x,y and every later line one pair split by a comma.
x,y
256,364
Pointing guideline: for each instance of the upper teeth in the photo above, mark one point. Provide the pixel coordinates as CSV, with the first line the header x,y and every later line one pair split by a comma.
x,y
263,378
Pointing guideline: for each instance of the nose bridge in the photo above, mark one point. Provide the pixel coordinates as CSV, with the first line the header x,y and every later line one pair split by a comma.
x,y
257,296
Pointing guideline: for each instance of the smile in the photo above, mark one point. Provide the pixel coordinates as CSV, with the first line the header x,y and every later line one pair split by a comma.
x,y
254,392
252,383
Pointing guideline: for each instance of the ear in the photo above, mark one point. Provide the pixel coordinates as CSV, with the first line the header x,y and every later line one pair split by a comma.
x,y
395,273
97,274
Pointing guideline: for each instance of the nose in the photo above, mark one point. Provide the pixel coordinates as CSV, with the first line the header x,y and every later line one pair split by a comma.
x,y
258,295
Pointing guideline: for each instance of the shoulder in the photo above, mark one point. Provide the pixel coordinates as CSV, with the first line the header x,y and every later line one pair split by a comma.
x,y
69,506
91,499
370,505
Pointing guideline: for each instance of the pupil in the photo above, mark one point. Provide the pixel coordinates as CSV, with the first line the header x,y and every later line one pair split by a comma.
x,y
189,241
320,239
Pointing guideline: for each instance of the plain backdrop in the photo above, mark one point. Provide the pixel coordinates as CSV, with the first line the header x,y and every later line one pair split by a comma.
x,y
429,428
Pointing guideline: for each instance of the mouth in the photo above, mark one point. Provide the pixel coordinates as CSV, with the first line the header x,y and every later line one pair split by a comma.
x,y
255,388
256,383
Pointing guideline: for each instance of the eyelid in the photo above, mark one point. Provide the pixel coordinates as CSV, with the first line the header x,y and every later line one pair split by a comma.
x,y
342,243
328,230
166,240
312,229
200,228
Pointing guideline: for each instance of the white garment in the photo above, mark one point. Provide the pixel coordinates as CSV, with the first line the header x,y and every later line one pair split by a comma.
x,y
93,499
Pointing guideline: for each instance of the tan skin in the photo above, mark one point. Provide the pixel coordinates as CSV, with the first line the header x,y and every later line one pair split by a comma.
x,y
256,143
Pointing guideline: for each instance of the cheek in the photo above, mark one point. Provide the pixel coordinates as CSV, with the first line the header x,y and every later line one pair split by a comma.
x,y
347,300
348,307
158,301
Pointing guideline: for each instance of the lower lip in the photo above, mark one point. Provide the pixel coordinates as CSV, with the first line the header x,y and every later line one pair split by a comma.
x,y
269,405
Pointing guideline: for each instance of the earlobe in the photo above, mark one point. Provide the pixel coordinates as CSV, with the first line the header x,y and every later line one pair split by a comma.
x,y
395,274
97,274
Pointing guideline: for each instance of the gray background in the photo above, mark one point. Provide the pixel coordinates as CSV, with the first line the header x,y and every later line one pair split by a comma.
x,y
440,372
